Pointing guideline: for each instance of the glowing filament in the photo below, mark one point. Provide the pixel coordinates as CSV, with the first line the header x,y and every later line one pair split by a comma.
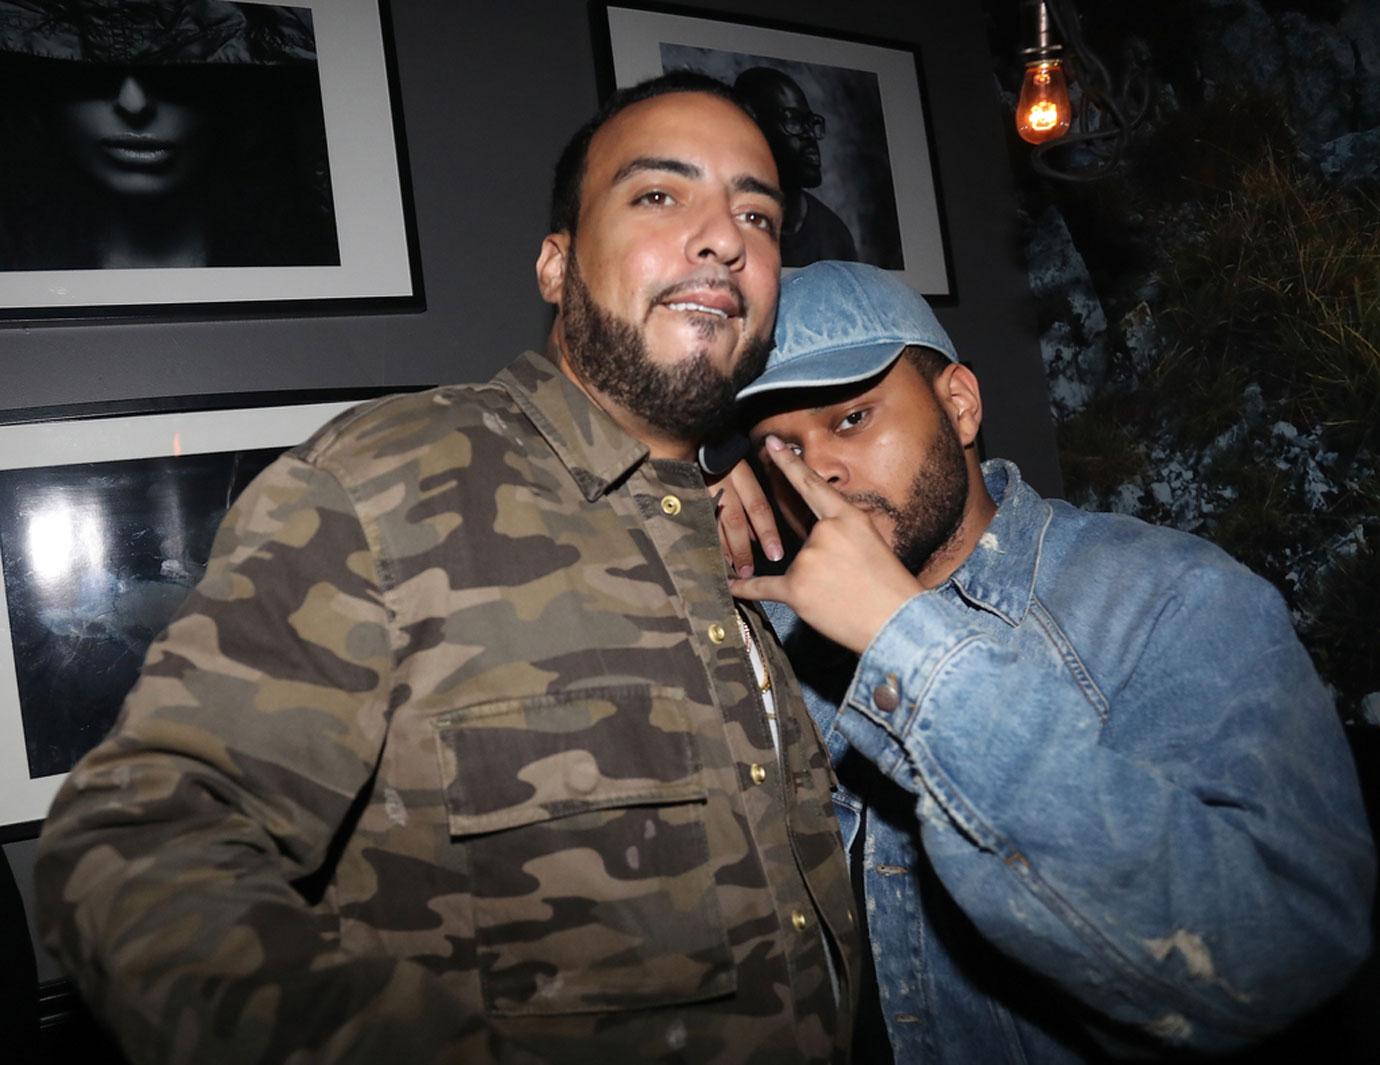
x,y
1043,111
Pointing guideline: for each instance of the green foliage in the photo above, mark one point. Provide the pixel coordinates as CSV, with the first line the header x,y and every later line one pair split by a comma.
x,y
1264,392
1341,633
1266,522
1097,449
1282,286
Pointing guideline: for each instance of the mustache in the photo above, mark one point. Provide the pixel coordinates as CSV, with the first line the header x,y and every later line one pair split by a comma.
x,y
874,501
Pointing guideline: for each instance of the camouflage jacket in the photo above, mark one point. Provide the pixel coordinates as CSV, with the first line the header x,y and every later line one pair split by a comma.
x,y
455,755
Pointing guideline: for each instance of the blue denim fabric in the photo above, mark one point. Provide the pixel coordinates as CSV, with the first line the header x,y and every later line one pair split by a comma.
x,y
1114,804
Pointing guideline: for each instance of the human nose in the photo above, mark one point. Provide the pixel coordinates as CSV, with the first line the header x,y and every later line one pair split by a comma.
x,y
826,463
717,236
133,99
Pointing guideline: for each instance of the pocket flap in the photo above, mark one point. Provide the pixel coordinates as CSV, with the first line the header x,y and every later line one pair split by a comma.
x,y
516,762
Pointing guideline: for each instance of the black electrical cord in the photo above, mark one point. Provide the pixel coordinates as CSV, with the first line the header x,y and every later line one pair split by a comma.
x,y
1106,116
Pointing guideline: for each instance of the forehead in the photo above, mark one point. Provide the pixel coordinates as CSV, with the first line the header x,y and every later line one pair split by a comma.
x,y
788,94
691,126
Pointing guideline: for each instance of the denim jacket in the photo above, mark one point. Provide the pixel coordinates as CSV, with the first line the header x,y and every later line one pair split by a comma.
x,y
1112,805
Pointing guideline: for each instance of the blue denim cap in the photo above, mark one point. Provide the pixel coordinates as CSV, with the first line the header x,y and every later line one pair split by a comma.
x,y
845,322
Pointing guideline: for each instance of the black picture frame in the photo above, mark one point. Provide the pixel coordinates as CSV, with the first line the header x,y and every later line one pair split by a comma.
x,y
106,517
876,175
347,246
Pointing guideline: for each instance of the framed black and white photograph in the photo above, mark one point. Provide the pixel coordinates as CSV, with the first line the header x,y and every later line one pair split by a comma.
x,y
226,156
106,524
845,117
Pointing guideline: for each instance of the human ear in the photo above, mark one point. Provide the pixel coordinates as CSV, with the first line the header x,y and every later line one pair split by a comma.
x,y
960,397
551,267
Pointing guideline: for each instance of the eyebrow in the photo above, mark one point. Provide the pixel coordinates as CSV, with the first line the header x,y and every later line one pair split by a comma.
x,y
651,162
748,183
741,183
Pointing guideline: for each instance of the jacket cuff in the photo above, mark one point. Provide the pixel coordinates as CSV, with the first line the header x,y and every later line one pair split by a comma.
x,y
882,708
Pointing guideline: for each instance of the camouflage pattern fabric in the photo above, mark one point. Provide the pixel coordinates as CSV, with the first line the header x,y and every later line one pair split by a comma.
x,y
455,755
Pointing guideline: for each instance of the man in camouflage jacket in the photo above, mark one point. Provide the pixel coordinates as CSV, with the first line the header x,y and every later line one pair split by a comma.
x,y
458,752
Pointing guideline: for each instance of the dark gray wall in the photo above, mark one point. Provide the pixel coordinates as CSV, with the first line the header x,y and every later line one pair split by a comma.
x,y
490,90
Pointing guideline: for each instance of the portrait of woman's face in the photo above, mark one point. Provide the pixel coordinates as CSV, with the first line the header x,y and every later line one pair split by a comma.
x,y
138,133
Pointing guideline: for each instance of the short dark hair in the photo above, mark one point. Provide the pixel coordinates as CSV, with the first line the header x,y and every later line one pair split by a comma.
x,y
929,363
570,167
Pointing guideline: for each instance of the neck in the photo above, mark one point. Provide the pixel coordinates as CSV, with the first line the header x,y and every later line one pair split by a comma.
x,y
659,445
169,234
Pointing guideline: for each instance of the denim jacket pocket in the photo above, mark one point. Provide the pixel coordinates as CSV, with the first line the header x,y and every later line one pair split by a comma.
x,y
582,817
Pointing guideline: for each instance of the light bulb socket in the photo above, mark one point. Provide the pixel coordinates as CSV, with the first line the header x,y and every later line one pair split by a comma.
x,y
1040,29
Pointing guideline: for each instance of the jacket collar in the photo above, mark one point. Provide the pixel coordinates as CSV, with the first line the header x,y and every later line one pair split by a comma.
x,y
1000,574
588,442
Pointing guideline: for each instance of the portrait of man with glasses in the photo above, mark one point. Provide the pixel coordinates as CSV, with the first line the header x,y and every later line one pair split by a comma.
x,y
812,230
826,129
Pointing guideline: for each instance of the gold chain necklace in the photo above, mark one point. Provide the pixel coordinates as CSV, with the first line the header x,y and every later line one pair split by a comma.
x,y
764,684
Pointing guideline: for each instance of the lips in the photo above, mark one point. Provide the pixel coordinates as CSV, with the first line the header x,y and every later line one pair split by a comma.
x,y
721,300
697,308
139,152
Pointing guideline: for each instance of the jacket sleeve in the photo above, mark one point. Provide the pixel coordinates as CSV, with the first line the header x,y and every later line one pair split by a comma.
x,y
1186,853
174,872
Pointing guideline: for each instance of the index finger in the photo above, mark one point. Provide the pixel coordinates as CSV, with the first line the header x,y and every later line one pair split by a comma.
x,y
819,495
759,513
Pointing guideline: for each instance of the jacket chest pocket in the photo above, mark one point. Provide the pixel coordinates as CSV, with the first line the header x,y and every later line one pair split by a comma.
x,y
582,817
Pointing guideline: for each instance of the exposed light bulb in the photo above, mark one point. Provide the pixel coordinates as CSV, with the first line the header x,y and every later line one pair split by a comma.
x,y
1043,111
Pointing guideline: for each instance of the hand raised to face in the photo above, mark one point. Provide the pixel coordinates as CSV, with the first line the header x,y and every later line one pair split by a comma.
x,y
846,581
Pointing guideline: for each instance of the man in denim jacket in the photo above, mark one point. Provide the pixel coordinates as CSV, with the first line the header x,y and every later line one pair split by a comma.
x,y
1095,793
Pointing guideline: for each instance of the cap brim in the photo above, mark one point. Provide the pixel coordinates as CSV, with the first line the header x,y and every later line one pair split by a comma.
x,y
841,366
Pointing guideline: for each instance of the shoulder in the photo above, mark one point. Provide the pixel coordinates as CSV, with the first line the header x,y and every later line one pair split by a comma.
x,y
827,219
410,435
1132,567
1119,540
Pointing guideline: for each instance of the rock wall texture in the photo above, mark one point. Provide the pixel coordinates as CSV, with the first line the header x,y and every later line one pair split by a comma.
x,y
1211,313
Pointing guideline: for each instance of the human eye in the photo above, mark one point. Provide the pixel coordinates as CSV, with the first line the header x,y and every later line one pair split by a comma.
x,y
854,419
760,220
654,198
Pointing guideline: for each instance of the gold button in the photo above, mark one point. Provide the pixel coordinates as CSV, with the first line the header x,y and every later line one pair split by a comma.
x,y
799,920
670,505
759,772
717,633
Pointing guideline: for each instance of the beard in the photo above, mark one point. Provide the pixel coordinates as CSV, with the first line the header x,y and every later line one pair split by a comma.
x,y
689,401
929,517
